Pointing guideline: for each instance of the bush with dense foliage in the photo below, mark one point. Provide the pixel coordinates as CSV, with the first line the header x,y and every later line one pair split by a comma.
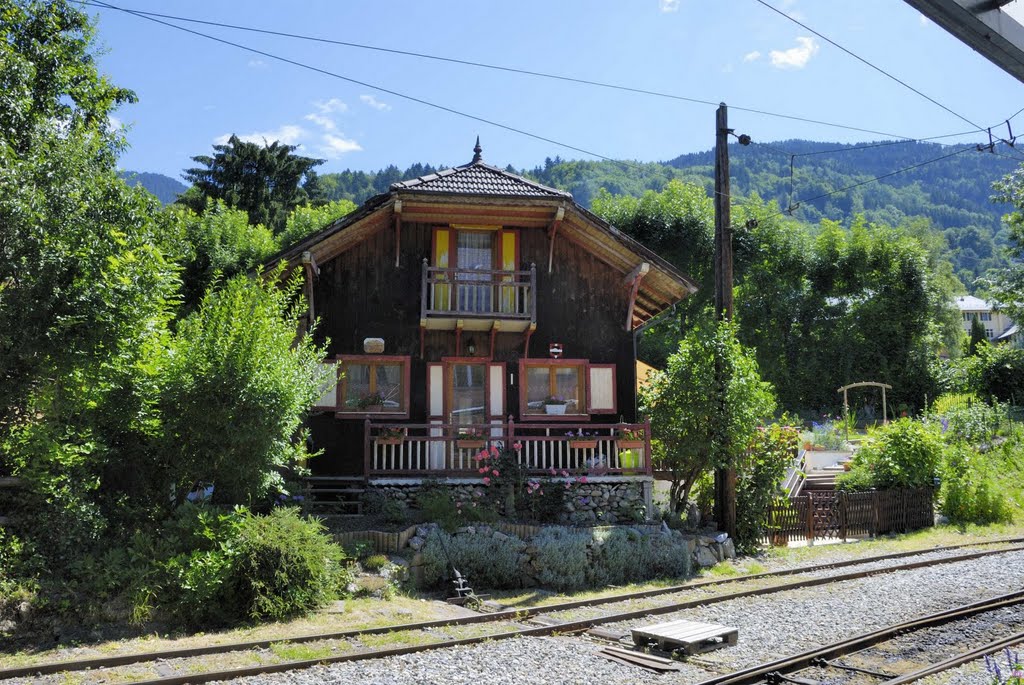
x,y
236,389
705,406
970,492
564,559
904,454
221,566
758,476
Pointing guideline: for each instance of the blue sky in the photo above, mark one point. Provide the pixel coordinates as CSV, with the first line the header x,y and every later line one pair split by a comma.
x,y
194,92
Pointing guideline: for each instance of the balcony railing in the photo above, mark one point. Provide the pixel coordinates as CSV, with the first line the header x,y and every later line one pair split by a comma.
x,y
478,293
436,450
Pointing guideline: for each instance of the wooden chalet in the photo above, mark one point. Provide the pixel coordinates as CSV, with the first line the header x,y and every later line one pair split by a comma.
x,y
474,308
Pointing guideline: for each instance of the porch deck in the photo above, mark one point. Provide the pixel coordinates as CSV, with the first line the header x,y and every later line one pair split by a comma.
x,y
437,450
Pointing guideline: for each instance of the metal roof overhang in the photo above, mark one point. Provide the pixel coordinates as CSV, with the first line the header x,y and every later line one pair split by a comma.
x,y
994,28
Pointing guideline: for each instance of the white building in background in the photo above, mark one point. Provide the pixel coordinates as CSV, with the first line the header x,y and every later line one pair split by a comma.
x,y
998,326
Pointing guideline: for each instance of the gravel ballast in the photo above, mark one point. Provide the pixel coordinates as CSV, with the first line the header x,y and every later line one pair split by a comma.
x,y
769,627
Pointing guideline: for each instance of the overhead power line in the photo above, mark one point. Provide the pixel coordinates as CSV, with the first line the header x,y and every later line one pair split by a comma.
x,y
303,65
866,62
154,16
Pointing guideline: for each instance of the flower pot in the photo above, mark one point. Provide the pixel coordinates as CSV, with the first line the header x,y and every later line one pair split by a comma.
x,y
554,408
390,441
469,444
583,444
374,408
630,444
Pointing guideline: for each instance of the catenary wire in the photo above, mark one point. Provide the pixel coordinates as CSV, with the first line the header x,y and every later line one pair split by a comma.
x,y
483,65
487,121
864,61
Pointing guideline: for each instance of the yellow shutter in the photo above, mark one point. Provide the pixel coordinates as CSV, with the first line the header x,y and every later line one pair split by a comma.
x,y
509,262
440,297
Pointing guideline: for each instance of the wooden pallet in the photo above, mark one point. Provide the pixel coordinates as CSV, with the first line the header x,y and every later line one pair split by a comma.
x,y
690,637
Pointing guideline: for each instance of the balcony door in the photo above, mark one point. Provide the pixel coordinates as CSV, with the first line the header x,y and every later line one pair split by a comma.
x,y
469,283
467,394
474,257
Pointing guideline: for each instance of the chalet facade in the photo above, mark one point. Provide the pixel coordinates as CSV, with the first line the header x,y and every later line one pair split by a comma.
x,y
475,308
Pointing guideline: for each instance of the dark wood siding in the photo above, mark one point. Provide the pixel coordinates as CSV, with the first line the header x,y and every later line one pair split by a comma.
x,y
582,304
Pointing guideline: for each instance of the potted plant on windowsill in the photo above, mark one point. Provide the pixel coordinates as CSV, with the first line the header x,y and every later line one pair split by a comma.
x,y
371,402
630,438
555,405
391,435
581,440
470,438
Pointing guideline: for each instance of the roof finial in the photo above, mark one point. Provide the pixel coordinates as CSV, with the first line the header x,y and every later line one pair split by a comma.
x,y
476,151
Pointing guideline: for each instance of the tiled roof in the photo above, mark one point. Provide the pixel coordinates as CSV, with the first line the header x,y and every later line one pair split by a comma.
x,y
478,178
969,303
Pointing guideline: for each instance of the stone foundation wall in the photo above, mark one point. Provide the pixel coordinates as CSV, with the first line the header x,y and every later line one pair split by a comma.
x,y
598,500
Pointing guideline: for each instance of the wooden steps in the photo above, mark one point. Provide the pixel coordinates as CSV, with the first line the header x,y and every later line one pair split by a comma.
x,y
336,495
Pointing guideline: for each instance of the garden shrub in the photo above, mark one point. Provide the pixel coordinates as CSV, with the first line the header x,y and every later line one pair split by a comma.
x,y
374,562
225,567
395,511
562,558
758,476
970,493
904,454
487,561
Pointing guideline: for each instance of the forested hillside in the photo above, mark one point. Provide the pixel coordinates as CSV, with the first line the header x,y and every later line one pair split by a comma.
x,y
952,193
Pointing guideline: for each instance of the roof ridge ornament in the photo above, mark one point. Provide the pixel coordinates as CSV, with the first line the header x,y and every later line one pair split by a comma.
x,y
476,152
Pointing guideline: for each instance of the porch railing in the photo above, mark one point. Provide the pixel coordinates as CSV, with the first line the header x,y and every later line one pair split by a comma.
x,y
437,450
481,293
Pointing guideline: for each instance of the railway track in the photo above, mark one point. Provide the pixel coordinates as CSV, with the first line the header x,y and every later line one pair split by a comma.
x,y
893,655
357,645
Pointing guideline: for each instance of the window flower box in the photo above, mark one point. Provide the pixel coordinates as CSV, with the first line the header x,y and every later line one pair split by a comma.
x,y
630,438
468,444
555,405
583,444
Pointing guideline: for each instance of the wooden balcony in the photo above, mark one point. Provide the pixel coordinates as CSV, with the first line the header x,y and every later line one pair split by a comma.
x,y
477,299
434,450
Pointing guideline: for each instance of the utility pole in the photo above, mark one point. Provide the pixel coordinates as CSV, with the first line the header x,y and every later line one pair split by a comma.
x,y
725,478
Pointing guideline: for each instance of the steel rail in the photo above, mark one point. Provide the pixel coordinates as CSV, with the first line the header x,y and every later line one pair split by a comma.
x,y
525,613
957,660
812,657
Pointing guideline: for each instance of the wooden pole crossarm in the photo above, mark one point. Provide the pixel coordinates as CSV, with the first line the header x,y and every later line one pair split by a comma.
x,y
633,279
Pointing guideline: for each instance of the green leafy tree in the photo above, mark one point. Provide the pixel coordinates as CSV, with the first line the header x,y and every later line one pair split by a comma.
x,y
977,336
237,387
267,182
83,291
705,406
212,246
305,221
1007,284
678,224
758,478
904,454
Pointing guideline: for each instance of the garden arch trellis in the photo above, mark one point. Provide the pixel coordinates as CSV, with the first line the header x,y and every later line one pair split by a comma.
x,y
846,402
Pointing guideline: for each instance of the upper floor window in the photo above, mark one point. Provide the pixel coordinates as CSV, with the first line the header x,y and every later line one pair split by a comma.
x,y
985,316
473,271
373,384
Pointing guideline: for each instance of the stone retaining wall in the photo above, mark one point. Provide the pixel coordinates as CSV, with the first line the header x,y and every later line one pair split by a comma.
x,y
598,500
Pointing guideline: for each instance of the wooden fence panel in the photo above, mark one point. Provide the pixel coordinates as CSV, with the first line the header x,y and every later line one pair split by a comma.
x,y
821,515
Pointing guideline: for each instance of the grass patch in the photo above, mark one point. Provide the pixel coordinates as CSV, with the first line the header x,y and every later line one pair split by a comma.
x,y
289,651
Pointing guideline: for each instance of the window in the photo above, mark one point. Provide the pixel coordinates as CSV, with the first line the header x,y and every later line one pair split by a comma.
x,y
562,380
989,333
468,393
374,384
986,316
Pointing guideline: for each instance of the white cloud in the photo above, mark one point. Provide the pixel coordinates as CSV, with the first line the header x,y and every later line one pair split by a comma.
x,y
289,134
324,122
375,103
256,64
752,56
795,58
668,5
336,146
331,106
